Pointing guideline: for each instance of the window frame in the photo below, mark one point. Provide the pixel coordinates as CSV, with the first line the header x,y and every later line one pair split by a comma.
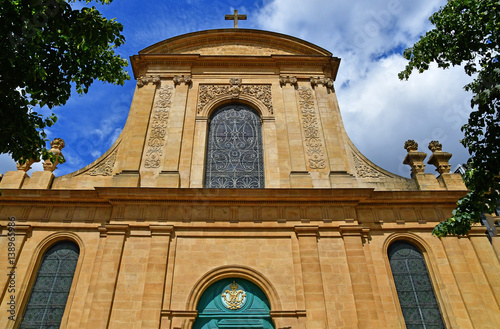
x,y
262,141
34,266
437,285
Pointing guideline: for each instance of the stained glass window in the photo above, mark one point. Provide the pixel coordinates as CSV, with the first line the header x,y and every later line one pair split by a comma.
x,y
50,292
414,287
234,149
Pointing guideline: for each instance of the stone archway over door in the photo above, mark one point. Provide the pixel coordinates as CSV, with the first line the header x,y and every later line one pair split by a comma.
x,y
233,303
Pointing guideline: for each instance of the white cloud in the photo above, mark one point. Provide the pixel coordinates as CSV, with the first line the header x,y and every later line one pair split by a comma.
x,y
379,111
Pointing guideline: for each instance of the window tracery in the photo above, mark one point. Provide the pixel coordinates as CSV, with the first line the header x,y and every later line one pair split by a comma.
x,y
234,149
415,292
47,301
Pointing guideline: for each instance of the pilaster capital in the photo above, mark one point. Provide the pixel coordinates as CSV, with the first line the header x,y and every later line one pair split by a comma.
x,y
114,229
288,80
307,231
182,79
145,80
326,82
161,230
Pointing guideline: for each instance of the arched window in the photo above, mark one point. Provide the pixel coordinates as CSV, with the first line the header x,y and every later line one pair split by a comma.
x,y
414,287
50,292
233,303
234,149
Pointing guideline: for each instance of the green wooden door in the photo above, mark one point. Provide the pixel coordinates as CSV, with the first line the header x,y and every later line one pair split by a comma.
x,y
233,303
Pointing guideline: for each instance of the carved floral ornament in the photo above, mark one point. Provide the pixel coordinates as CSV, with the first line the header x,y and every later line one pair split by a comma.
x,y
235,89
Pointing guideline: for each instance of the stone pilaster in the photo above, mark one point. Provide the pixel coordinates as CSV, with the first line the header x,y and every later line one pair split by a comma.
x,y
476,300
311,276
129,155
107,276
169,176
299,176
366,307
155,276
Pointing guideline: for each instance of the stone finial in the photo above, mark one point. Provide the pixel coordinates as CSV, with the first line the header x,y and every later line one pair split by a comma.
x,y
435,146
411,145
144,80
414,158
291,80
439,158
26,166
56,146
182,79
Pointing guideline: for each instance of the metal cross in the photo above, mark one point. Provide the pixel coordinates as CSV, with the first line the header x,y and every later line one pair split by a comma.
x,y
235,17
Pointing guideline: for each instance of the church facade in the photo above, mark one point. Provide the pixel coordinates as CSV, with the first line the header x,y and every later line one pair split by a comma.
x,y
233,198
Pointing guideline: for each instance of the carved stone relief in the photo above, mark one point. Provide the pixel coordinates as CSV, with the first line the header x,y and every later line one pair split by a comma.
x,y
365,171
208,93
158,129
314,146
105,167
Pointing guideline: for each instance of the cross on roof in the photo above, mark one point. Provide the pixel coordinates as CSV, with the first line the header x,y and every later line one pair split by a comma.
x,y
235,17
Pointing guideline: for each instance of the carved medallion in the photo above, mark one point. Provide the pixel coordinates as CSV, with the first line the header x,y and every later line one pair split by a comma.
x,y
233,298
314,146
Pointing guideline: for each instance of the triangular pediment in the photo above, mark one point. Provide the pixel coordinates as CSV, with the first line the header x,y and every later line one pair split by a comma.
x,y
235,42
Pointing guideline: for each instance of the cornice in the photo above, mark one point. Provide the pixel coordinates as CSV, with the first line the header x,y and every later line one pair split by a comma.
x,y
107,196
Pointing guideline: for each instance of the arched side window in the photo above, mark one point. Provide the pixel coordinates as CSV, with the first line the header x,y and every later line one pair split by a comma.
x,y
50,292
414,287
234,149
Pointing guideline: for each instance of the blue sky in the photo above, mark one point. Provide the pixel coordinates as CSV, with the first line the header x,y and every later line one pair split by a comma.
x,y
379,112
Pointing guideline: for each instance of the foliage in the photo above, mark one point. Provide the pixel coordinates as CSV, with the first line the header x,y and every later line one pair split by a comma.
x,y
467,33
47,46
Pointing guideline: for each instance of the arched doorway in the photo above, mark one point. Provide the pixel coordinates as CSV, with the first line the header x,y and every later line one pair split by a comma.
x,y
233,303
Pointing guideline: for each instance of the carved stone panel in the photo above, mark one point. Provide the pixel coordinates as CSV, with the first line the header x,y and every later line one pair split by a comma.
x,y
314,145
207,93
158,128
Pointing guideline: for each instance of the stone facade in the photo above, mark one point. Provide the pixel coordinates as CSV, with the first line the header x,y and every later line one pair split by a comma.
x,y
315,240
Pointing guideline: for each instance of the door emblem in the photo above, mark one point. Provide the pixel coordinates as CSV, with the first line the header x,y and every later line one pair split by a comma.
x,y
233,299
